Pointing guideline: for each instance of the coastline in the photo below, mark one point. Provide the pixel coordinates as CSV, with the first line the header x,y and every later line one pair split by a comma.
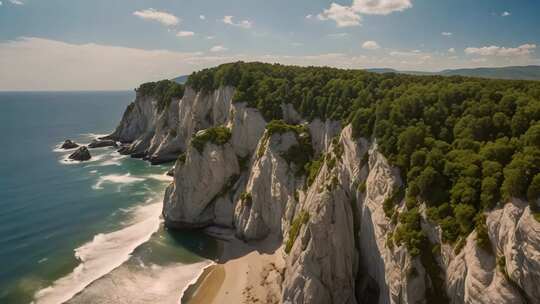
x,y
244,273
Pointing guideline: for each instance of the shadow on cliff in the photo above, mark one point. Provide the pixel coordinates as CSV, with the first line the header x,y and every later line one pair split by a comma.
x,y
221,247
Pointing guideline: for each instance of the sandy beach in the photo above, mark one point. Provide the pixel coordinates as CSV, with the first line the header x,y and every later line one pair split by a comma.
x,y
245,274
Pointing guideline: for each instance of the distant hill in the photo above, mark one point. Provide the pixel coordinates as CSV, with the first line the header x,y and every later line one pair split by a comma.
x,y
530,72
181,79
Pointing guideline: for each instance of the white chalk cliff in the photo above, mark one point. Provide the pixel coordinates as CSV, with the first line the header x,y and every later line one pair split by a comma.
x,y
335,230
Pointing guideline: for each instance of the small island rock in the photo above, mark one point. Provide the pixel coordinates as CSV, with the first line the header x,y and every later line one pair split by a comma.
x,y
68,144
81,154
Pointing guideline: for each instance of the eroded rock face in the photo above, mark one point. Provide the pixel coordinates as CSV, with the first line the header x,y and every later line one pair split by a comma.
x,y
138,119
399,277
247,127
159,135
473,278
515,235
205,177
322,133
270,187
323,261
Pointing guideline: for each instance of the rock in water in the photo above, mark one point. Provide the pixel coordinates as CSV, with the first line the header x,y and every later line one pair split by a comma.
x,y
81,154
68,144
102,143
171,172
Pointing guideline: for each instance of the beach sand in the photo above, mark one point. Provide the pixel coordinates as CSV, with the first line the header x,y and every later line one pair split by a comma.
x,y
247,274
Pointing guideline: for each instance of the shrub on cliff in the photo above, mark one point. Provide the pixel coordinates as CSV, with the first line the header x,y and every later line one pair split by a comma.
x,y
217,135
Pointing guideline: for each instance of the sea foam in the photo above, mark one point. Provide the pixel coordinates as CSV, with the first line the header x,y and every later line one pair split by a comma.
x,y
103,254
116,179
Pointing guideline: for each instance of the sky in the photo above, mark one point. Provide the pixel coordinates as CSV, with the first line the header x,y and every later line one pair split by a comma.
x,y
118,44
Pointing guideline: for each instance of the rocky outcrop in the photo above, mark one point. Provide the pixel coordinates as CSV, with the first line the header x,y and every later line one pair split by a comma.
x,y
68,144
322,134
336,236
268,200
206,177
399,277
102,143
81,154
323,260
161,134
515,235
247,127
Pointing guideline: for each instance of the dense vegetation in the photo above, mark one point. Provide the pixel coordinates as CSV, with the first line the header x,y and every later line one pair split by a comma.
x,y
463,145
163,91
218,135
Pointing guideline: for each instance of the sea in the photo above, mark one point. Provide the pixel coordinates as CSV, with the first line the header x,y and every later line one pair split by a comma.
x,y
84,232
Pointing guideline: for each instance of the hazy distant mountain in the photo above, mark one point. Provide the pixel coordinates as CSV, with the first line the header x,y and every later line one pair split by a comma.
x,y
181,79
531,72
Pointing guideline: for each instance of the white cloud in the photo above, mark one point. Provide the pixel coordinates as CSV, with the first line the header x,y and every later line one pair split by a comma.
x,y
159,16
370,45
243,24
202,17
185,34
380,7
350,15
210,37
218,48
451,50
522,50
30,63
16,2
343,15
297,44
309,16
505,14
447,34
0,3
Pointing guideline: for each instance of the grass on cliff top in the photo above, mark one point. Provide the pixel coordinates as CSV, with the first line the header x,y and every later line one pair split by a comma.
x,y
217,135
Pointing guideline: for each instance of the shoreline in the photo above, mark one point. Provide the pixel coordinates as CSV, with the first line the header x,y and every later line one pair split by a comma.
x,y
243,273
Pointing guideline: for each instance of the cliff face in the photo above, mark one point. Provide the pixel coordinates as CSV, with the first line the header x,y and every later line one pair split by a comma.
x,y
160,135
334,230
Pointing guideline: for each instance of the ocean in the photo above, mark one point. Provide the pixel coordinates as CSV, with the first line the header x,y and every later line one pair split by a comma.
x,y
84,232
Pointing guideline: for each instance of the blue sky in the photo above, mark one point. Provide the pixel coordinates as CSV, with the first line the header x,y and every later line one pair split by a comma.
x,y
104,44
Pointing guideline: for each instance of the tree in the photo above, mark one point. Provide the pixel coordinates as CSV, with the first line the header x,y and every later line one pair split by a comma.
x,y
532,136
464,217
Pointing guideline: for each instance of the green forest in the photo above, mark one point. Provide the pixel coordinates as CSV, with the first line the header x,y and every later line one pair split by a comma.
x,y
463,145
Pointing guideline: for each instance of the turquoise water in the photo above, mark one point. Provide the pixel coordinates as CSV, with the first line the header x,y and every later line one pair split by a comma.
x,y
55,214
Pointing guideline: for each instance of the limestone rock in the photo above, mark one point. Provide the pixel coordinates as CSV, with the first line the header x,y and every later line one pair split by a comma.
x,y
271,185
205,177
247,127
323,262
